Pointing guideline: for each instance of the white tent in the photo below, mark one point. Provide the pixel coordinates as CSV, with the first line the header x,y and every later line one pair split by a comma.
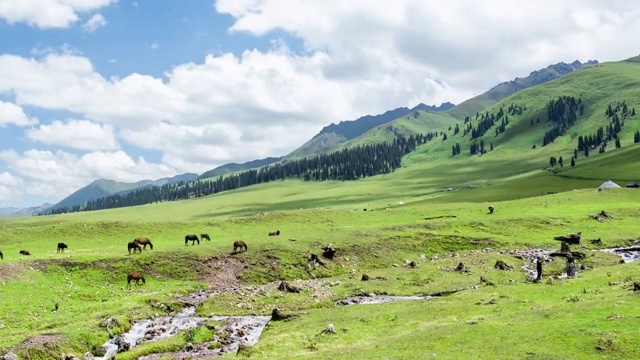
x,y
608,185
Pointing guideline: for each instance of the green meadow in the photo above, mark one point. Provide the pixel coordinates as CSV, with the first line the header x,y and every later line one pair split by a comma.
x,y
432,211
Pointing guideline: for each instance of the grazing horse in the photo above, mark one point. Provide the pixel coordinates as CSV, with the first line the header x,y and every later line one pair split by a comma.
x,y
239,245
193,238
143,241
274,233
205,236
24,252
135,276
134,245
61,247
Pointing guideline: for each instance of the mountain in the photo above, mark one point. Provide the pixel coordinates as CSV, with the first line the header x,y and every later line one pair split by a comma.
x,y
103,187
28,211
334,134
233,167
502,90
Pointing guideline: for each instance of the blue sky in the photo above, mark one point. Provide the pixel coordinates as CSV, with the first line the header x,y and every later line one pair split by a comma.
x,y
132,90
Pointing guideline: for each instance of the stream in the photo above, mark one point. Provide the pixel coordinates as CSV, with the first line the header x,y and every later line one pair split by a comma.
x,y
234,331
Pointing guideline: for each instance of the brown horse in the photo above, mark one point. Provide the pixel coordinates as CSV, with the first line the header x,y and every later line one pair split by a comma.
x,y
143,241
205,236
135,276
61,247
134,245
239,245
193,238
274,233
25,252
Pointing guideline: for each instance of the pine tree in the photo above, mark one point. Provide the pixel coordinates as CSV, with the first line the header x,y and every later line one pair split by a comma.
x,y
618,143
573,162
633,112
560,162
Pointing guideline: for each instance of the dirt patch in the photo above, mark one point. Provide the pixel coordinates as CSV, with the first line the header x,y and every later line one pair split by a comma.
x,y
10,270
44,342
221,273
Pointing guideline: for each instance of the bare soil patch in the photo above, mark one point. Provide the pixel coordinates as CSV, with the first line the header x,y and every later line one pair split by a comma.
x,y
10,270
221,273
44,342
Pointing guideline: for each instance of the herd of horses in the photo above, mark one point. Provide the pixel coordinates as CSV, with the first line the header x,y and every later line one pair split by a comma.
x,y
138,244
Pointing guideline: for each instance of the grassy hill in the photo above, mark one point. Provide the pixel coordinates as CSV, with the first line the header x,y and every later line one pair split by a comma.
x,y
103,187
234,167
505,89
333,136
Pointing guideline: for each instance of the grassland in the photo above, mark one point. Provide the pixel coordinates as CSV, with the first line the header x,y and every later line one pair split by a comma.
x,y
410,213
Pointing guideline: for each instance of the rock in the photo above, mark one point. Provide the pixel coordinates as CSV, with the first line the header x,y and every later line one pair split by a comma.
x,y
88,355
329,330
395,265
10,356
188,347
472,322
636,286
365,277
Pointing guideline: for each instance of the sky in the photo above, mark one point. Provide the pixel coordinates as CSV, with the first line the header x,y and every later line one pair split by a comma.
x,y
132,90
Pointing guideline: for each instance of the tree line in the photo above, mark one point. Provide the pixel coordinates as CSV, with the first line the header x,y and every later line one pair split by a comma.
x,y
348,164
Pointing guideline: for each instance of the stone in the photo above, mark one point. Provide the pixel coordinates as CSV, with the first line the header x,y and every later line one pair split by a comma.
x,y
10,356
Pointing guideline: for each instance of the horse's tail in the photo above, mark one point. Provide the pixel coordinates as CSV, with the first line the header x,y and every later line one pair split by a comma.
x,y
246,247
150,245
143,280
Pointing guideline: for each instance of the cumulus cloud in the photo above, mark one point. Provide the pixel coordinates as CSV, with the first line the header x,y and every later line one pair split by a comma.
x,y
358,57
51,174
47,14
9,186
78,134
95,22
13,114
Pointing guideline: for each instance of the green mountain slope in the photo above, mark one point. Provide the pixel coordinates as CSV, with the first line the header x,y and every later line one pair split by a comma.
x,y
103,187
331,136
502,90
234,167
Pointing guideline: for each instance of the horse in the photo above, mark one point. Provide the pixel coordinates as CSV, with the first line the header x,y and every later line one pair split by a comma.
x,y
193,238
274,233
239,245
205,236
143,241
24,252
61,247
134,245
134,275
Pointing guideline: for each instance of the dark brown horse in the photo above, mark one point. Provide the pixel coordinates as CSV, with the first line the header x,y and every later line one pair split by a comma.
x,y
193,238
205,236
134,275
239,245
25,252
134,245
143,241
61,247
274,233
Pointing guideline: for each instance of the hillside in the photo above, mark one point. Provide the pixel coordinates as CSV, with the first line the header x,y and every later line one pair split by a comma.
x,y
332,135
234,167
505,89
103,187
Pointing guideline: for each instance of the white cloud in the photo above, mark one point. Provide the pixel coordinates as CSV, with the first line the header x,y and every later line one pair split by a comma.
x,y
47,13
13,114
78,134
95,22
359,57
154,45
9,187
57,174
